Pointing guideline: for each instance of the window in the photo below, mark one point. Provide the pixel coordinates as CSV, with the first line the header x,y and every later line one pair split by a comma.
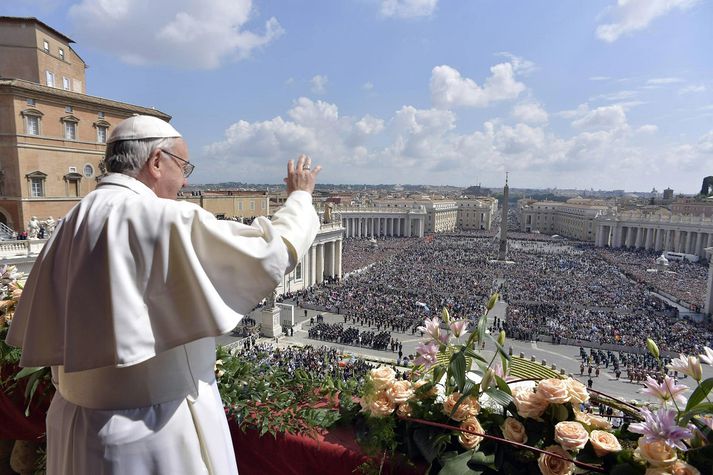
x,y
240,205
61,54
101,133
88,170
37,187
252,205
31,102
32,125
70,130
68,109
101,114
46,46
66,83
298,271
50,78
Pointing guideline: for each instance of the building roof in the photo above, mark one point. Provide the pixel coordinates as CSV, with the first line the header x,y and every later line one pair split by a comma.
x,y
17,19
31,88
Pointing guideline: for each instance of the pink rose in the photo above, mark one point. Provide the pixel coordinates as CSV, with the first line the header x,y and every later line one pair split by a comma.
x,y
382,377
577,391
604,442
571,435
656,453
555,466
468,408
682,468
400,391
553,390
470,441
529,405
378,405
514,430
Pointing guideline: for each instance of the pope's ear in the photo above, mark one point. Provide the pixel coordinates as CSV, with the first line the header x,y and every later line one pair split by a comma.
x,y
153,164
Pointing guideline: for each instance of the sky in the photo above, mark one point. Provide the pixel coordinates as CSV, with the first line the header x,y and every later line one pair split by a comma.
x,y
600,94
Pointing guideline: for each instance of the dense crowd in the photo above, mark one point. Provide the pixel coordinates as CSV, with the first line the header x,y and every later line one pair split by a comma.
x,y
577,292
360,253
683,280
338,333
320,362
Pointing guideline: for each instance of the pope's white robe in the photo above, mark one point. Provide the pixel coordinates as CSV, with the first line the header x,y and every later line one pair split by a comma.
x,y
124,303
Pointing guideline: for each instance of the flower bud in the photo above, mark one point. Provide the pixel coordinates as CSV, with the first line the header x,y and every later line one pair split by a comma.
x,y
445,315
493,299
652,347
487,379
501,338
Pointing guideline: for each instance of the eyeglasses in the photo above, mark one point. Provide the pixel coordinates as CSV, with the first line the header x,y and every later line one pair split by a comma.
x,y
187,166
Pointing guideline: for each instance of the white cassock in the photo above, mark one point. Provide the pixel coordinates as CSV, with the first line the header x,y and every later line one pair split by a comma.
x,y
124,303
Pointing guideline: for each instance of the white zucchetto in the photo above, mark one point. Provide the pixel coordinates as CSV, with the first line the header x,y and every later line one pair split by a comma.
x,y
141,127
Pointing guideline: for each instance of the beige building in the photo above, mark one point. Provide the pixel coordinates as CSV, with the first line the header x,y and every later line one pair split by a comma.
x,y
574,218
52,135
441,215
476,213
693,207
659,232
232,204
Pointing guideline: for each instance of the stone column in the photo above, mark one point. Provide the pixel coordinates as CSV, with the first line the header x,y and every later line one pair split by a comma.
x,y
708,302
338,258
320,263
312,264
329,258
421,227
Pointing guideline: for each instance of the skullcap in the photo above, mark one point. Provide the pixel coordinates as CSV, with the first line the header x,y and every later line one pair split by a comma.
x,y
141,127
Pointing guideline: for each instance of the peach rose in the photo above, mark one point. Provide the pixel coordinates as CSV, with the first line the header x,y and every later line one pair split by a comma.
x,y
656,453
554,466
468,408
470,441
594,422
382,377
529,405
571,435
379,405
553,390
604,442
514,430
404,410
577,391
399,392
682,468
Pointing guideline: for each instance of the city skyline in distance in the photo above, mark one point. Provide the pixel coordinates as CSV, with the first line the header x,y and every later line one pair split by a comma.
x,y
599,95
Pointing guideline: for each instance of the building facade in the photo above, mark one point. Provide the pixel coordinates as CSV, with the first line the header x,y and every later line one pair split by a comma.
x,y
232,204
659,232
52,134
376,222
574,219
441,215
476,213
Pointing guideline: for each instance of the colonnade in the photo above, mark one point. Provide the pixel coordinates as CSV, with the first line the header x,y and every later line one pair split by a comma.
x,y
654,238
376,226
322,261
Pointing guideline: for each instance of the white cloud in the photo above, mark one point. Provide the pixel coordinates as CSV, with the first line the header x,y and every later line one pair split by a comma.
x,y
530,113
629,16
368,86
408,8
705,143
319,84
603,118
661,81
615,96
693,88
520,65
572,113
450,89
647,129
181,33
599,78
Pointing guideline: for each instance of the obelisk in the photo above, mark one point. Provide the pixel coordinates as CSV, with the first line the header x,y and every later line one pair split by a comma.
x,y
503,251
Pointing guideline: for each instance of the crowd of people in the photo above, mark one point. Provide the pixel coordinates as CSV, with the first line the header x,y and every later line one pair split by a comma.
x,y
360,253
338,333
318,361
565,291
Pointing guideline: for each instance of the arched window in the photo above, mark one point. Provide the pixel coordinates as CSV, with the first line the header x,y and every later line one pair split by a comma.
x,y
32,119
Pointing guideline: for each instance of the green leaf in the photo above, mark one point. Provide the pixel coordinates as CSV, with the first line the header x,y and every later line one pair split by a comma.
x,y
474,355
458,370
499,396
24,372
705,408
503,386
482,326
501,350
559,412
700,393
458,465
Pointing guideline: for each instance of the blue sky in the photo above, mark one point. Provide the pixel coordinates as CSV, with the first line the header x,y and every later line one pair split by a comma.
x,y
600,93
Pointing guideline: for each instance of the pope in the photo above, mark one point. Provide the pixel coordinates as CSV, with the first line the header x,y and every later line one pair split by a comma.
x,y
127,297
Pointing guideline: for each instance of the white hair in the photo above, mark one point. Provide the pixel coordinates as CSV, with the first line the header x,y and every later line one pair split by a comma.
x,y
129,156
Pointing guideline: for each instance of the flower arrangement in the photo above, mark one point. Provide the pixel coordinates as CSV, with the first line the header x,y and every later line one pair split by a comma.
x,y
464,422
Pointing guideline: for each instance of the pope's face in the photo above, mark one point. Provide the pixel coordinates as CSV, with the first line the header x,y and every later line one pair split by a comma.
x,y
172,180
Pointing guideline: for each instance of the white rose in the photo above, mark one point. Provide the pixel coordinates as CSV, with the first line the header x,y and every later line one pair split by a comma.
x,y
604,442
571,435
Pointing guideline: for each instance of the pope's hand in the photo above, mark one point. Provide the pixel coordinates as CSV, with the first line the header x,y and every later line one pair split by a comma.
x,y
301,177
